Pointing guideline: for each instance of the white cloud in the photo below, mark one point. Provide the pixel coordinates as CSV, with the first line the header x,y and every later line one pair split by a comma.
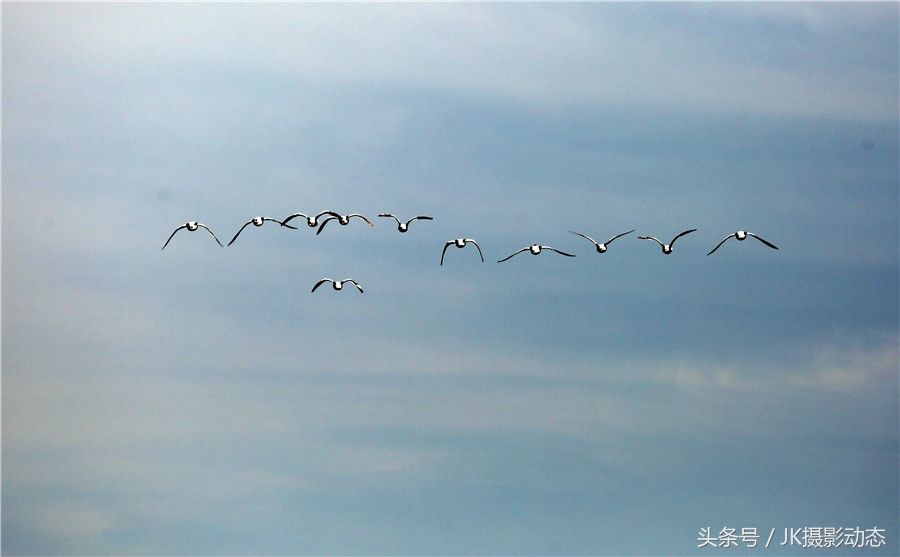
x,y
852,369
829,367
74,525
822,17
542,56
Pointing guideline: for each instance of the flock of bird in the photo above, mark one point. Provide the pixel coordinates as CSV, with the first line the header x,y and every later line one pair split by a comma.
x,y
317,221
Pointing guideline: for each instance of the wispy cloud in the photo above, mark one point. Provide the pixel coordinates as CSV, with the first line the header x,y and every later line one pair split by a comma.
x,y
544,57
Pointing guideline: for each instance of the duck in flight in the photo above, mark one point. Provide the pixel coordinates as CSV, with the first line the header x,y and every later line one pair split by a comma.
x,y
191,226
344,220
601,248
404,226
535,249
337,284
667,248
258,221
461,243
311,221
741,235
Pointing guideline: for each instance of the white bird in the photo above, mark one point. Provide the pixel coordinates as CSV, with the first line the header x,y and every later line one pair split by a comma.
x,y
337,284
258,221
311,221
667,248
191,226
535,249
343,220
404,226
741,235
461,243
601,248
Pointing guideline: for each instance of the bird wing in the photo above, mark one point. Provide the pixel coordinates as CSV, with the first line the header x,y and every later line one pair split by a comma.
x,y
557,251
318,284
618,235
239,232
672,243
477,246
173,234
420,217
766,242
389,215
584,236
720,243
351,215
512,255
211,232
324,222
295,215
330,213
356,284
447,245
650,238
279,222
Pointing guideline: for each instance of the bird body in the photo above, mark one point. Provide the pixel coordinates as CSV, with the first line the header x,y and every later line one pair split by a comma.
x,y
461,243
311,220
344,220
667,248
535,249
601,247
337,284
404,226
191,226
259,221
742,235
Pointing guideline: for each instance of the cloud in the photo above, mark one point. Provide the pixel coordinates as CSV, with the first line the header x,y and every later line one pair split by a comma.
x,y
853,369
62,524
545,58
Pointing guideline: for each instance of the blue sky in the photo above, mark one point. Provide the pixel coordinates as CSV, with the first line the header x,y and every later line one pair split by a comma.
x,y
200,400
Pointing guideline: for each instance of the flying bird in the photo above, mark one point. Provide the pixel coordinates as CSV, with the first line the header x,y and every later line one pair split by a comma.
x,y
667,248
404,226
601,248
535,249
461,243
258,221
337,284
311,221
741,235
343,220
191,226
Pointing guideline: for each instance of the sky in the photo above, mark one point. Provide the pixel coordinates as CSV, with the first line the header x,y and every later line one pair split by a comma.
x,y
200,400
